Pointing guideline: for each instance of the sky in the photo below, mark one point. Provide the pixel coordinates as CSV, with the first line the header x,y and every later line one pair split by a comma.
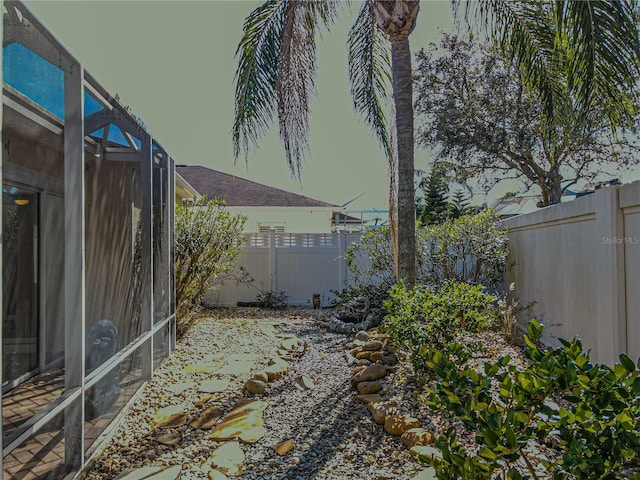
x,y
173,63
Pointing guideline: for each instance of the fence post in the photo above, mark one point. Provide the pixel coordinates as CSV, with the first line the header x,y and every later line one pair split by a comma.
x,y
609,263
273,261
342,261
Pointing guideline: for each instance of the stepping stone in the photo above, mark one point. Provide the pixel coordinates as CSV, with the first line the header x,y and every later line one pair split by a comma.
x,y
178,388
171,416
243,422
424,451
211,367
237,367
428,474
151,473
228,459
213,386
207,419
168,439
277,370
283,448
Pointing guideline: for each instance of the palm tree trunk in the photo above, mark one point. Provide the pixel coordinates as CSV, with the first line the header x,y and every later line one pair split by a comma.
x,y
403,98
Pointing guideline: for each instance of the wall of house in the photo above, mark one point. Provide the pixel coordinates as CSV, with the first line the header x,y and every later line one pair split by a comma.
x,y
580,261
296,220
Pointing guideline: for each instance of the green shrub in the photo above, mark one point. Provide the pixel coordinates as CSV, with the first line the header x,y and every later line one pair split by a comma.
x,y
208,243
470,249
420,317
592,412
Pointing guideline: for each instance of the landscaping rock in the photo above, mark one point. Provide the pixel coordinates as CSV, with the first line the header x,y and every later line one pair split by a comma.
x,y
425,451
366,388
207,419
363,354
216,475
372,345
243,422
178,388
417,436
171,417
168,439
362,336
255,387
375,356
202,400
151,473
283,448
228,458
428,474
306,382
277,370
381,410
213,386
370,398
398,424
369,374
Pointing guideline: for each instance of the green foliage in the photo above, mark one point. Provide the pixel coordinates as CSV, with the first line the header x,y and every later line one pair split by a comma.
x,y
433,190
590,411
208,243
420,318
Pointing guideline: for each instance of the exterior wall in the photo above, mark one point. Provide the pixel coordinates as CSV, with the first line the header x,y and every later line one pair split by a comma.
x,y
296,220
580,262
300,265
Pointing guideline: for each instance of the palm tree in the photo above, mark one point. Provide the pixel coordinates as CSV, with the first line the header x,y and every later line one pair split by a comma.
x,y
277,68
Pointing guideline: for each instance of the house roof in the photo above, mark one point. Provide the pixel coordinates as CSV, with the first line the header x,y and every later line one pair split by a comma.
x,y
241,192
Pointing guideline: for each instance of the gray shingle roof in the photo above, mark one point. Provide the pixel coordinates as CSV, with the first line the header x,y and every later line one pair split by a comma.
x,y
240,192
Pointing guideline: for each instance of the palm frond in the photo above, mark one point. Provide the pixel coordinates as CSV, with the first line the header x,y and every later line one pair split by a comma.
x,y
603,47
575,53
369,72
257,74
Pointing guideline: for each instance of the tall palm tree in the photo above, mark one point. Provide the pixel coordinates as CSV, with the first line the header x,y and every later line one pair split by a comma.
x,y
277,68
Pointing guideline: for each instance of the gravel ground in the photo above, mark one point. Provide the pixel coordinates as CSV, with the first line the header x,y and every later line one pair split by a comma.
x,y
333,433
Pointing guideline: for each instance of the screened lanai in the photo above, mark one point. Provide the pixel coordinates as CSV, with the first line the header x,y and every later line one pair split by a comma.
x,y
87,263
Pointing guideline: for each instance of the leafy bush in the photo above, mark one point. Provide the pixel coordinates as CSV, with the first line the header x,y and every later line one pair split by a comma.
x,y
420,317
592,413
470,249
208,243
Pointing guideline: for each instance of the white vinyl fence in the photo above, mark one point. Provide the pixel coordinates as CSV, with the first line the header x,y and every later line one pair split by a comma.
x,y
580,261
298,264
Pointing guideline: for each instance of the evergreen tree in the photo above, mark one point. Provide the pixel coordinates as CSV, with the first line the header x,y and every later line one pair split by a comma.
x,y
435,190
459,204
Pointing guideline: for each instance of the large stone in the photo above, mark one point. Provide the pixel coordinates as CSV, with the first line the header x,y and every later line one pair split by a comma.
x,y
228,458
294,345
389,360
243,422
171,416
370,398
417,436
398,424
355,351
381,410
362,336
205,367
283,448
178,388
364,354
365,388
375,356
372,345
207,419
237,367
255,387
151,473
369,374
213,386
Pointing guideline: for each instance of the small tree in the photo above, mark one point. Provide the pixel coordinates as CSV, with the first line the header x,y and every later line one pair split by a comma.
x,y
459,204
435,190
208,244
